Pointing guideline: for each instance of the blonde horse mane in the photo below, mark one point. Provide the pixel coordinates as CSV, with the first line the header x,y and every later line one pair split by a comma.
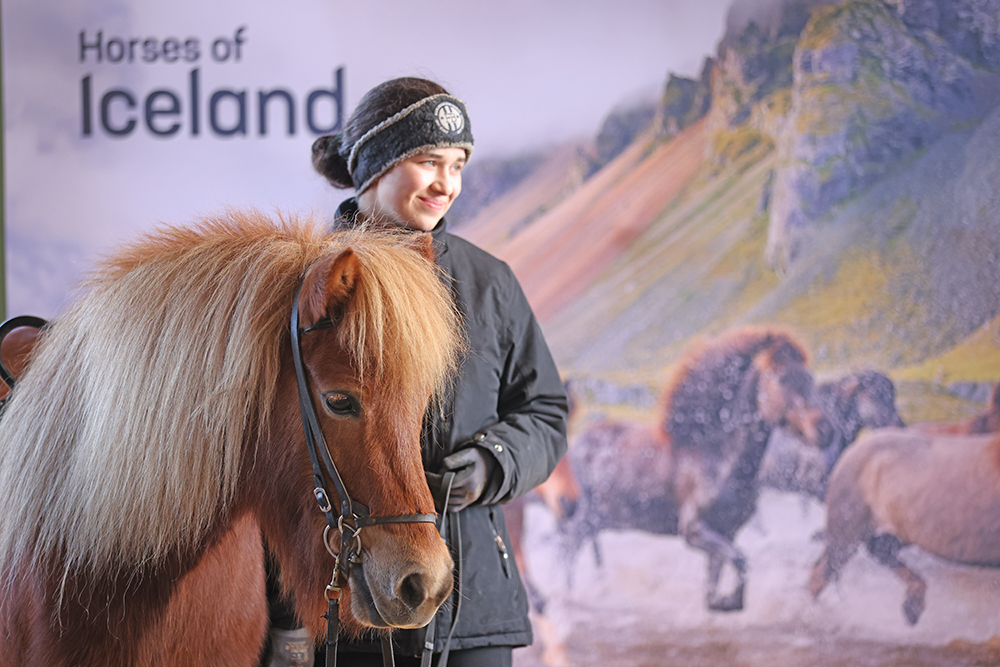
x,y
126,436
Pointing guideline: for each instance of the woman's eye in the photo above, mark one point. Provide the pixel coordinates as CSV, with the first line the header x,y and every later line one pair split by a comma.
x,y
340,404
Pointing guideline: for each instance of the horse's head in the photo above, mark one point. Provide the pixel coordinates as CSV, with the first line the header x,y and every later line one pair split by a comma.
x,y
785,393
379,336
876,402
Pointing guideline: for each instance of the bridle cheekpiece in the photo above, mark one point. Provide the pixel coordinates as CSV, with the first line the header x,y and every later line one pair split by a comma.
x,y
353,516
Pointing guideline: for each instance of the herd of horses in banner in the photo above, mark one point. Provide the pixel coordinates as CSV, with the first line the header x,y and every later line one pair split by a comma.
x,y
152,454
697,472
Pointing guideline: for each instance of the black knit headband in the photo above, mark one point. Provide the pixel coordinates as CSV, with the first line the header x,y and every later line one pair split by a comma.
x,y
438,121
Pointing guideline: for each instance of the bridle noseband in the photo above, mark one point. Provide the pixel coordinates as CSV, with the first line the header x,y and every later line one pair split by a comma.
x,y
353,515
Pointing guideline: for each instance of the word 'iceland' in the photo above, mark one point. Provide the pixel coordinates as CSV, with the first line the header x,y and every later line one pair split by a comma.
x,y
191,110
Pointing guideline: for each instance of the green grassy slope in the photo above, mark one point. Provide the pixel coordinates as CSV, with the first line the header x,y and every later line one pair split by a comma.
x,y
900,279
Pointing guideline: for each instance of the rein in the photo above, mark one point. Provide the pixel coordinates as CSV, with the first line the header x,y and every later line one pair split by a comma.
x,y
353,516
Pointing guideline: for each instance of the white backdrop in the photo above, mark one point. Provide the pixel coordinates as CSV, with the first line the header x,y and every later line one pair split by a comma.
x,y
531,73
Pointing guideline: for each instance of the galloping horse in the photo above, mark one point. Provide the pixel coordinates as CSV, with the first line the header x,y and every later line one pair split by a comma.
x,y
155,443
696,475
897,487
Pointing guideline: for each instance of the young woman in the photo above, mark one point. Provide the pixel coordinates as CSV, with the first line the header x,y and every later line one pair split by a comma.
x,y
504,427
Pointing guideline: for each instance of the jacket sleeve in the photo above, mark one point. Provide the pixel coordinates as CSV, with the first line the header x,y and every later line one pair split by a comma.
x,y
530,436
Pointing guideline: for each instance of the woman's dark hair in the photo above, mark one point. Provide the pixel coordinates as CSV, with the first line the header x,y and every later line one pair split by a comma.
x,y
330,152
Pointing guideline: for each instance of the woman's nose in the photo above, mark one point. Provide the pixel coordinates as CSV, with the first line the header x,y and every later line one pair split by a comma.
x,y
444,182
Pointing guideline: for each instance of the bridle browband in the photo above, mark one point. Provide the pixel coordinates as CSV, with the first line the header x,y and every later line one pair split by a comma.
x,y
353,515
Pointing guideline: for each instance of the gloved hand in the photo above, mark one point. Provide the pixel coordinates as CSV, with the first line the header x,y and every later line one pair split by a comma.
x,y
473,470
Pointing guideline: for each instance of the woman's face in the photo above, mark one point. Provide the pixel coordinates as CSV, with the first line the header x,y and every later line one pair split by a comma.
x,y
418,191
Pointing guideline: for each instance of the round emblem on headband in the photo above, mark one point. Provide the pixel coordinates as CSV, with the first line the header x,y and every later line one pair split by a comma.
x,y
449,118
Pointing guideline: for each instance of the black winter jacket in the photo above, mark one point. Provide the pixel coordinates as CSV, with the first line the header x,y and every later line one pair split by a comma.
x,y
509,401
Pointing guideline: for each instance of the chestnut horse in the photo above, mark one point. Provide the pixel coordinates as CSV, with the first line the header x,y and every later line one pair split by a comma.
x,y
897,487
155,443
696,474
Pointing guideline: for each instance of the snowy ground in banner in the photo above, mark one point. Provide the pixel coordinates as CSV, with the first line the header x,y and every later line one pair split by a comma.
x,y
644,605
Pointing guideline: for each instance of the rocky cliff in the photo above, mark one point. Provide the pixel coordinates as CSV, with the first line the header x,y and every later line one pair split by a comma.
x,y
872,84
851,145
685,101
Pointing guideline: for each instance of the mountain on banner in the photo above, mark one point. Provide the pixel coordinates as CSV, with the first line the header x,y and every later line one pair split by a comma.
x,y
840,180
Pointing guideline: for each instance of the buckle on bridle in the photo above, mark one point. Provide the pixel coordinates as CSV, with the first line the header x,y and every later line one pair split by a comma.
x,y
322,499
332,591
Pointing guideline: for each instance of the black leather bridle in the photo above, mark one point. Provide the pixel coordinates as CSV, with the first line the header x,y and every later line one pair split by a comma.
x,y
353,516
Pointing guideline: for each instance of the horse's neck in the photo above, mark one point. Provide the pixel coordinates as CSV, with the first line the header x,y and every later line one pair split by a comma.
x,y
86,617
293,538
153,611
752,435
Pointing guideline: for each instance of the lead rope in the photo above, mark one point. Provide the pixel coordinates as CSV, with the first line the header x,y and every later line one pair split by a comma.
x,y
456,528
449,520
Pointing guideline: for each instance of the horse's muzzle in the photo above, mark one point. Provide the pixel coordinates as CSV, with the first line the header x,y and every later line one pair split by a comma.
x,y
403,596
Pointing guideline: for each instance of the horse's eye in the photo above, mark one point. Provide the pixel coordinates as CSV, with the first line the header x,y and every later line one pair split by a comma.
x,y
340,403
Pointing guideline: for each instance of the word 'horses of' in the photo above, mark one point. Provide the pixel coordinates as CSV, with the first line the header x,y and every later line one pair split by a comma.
x,y
156,438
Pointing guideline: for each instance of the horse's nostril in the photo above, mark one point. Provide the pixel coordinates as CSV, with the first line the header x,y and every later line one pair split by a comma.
x,y
412,591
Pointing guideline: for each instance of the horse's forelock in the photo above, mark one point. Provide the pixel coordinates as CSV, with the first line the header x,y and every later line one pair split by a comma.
x,y
402,323
780,352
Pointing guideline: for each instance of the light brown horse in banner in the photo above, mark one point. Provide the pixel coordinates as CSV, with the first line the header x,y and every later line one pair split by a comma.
x,y
898,487
154,445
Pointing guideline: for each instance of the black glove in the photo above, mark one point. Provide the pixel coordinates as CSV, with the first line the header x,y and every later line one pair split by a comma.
x,y
473,470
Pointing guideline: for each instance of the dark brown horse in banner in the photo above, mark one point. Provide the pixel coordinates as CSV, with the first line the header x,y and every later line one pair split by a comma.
x,y
696,475
154,445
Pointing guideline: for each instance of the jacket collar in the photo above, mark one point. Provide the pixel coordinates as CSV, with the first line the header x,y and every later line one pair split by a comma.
x,y
347,216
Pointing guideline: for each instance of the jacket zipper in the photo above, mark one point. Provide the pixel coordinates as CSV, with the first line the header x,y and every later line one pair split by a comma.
x,y
501,547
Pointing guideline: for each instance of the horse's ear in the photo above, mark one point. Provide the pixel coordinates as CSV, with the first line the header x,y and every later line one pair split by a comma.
x,y
327,287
